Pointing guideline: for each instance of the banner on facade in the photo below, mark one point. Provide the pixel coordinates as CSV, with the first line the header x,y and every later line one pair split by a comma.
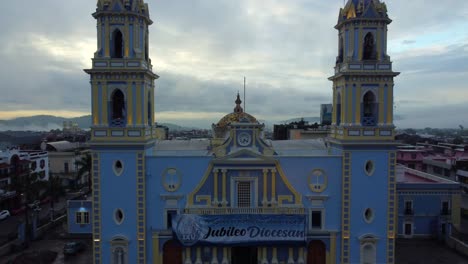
x,y
238,229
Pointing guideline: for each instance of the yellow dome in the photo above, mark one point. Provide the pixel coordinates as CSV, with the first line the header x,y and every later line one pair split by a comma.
x,y
236,118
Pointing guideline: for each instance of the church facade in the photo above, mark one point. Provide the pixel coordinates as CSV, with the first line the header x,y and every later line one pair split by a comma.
x,y
239,198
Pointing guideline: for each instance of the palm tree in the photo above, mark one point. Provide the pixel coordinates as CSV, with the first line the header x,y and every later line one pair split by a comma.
x,y
84,166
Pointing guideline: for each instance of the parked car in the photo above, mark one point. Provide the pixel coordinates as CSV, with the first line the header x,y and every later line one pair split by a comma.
x,y
34,204
4,214
73,248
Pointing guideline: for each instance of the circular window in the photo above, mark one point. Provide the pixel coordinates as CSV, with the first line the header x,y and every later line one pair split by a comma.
x,y
369,168
118,167
172,179
118,216
369,215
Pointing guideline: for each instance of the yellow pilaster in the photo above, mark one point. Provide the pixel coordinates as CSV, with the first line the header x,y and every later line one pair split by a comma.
x,y
157,256
138,103
351,40
104,114
224,171
349,104
107,36
95,104
127,37
188,254
343,106
381,105
273,185
130,104
334,103
390,104
379,45
215,189
358,104
333,248
360,43
265,174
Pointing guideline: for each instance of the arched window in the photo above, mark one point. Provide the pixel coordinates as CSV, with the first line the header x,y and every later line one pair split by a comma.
x,y
340,51
150,109
368,253
338,109
117,44
146,48
119,250
117,108
369,109
369,51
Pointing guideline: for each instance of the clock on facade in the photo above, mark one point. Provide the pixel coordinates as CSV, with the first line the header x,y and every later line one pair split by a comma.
x,y
244,139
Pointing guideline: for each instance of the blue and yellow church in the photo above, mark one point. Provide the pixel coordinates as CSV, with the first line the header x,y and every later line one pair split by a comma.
x,y
239,198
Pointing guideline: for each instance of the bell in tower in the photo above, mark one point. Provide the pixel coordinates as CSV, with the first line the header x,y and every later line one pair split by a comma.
x,y
363,79
122,80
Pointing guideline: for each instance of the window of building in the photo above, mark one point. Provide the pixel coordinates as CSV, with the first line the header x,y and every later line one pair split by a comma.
x,y
408,229
368,254
150,110
445,208
447,172
118,167
82,217
411,166
437,170
170,214
413,155
369,50
424,167
338,109
244,198
65,167
316,219
117,44
369,109
409,207
119,216
369,215
369,167
33,165
341,51
117,108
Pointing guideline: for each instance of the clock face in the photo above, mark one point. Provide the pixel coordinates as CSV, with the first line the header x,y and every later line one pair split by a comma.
x,y
244,139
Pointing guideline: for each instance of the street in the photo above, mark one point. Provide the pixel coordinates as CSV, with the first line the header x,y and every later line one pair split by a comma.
x,y
9,226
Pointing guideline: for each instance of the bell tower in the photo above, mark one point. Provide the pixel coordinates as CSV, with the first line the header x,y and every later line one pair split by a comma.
x,y
122,131
363,79
362,132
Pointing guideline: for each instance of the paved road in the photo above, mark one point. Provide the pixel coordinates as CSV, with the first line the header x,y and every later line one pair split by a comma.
x,y
10,225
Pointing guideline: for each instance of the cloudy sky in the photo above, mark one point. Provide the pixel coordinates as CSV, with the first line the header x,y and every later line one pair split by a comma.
x,y
202,49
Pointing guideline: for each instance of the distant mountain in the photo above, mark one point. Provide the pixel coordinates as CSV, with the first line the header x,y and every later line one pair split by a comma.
x,y
42,123
48,122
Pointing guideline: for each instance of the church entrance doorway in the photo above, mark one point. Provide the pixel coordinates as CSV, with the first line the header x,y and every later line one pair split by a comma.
x,y
172,253
244,255
316,252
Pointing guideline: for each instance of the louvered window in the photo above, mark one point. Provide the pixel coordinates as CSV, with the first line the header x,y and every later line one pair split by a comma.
x,y
244,198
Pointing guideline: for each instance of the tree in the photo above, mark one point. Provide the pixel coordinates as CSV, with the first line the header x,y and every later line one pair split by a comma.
x,y
27,185
84,166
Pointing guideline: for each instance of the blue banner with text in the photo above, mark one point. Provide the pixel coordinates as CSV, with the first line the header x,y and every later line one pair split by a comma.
x,y
238,229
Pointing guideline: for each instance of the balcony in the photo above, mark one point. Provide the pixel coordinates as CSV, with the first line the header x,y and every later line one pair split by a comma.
x,y
229,210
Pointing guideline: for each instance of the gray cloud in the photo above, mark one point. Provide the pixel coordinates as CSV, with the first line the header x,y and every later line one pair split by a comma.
x,y
202,49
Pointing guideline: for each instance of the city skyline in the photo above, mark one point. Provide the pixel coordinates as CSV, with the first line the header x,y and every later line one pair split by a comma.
x,y
202,50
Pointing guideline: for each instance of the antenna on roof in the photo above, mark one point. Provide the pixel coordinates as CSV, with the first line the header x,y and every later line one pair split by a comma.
x,y
245,111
